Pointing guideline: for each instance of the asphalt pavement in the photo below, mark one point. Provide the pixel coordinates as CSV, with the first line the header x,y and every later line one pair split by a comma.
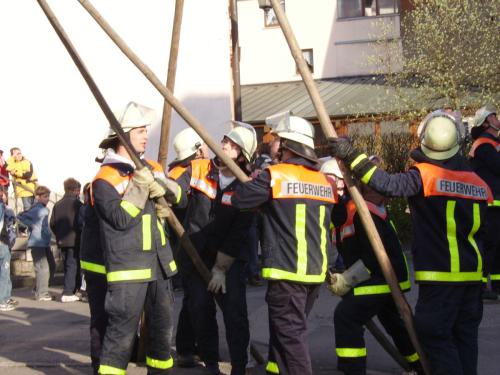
x,y
53,337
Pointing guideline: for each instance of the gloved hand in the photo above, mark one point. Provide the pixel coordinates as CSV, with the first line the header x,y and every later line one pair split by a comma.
x,y
137,191
218,281
337,284
143,176
161,211
171,190
156,189
340,147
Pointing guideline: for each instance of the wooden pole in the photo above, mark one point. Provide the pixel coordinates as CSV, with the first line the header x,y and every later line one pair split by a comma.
x,y
235,60
364,213
172,69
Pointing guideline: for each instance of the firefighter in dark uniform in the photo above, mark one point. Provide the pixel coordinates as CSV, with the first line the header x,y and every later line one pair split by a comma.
x,y
485,160
296,202
448,203
138,260
371,297
188,146
207,182
92,265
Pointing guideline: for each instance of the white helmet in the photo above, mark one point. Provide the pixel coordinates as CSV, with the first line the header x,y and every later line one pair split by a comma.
x,y
245,137
186,143
133,116
331,167
440,135
481,115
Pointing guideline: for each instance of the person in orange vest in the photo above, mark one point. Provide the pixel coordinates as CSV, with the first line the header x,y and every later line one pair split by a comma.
x,y
485,159
362,302
296,200
448,204
138,260
188,146
218,231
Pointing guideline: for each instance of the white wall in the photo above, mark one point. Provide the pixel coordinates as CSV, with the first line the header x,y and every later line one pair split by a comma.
x,y
47,109
340,47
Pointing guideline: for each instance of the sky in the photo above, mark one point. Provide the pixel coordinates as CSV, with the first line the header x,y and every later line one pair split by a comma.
x,y
48,110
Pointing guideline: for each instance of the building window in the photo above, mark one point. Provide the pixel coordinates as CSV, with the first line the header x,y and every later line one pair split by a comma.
x,y
366,8
270,19
308,56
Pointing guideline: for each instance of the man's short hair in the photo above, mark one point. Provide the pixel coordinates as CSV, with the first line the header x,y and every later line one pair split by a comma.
x,y
42,190
14,149
71,184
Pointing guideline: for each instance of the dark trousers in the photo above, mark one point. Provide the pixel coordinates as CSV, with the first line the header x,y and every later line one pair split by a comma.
x,y
447,318
201,305
289,305
96,291
351,314
185,339
72,278
124,303
491,262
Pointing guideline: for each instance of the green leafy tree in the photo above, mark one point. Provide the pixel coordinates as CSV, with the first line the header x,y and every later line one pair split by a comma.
x,y
447,56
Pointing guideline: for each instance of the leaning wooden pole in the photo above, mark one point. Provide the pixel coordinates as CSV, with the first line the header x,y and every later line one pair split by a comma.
x,y
166,120
364,213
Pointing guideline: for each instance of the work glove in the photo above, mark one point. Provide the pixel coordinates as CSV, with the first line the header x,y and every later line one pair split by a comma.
x,y
337,284
343,149
168,188
161,211
340,147
218,281
137,191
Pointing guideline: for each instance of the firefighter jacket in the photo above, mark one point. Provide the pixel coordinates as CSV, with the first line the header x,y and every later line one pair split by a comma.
x,y
354,245
448,203
200,181
485,160
91,254
133,240
296,201
25,179
228,232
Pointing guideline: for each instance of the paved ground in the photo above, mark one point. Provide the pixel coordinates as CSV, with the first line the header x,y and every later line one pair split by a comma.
x,y
52,338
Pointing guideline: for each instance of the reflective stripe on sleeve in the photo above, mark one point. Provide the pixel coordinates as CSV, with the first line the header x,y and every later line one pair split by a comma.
x,y
276,274
130,208
358,160
495,203
368,175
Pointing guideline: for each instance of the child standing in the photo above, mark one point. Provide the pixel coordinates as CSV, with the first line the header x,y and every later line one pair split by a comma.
x,y
37,221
